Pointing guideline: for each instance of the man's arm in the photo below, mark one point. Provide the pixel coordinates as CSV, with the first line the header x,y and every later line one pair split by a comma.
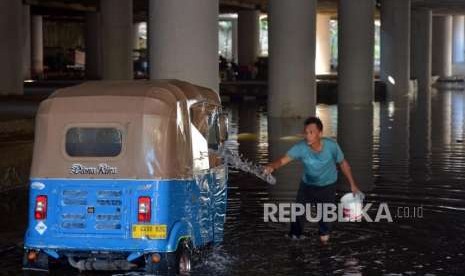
x,y
269,168
347,171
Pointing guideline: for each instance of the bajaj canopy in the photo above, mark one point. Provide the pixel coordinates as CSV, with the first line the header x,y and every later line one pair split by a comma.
x,y
138,129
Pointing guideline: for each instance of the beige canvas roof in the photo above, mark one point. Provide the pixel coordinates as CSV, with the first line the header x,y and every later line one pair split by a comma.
x,y
142,88
153,117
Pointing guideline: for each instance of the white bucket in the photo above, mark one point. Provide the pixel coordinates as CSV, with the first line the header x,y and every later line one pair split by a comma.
x,y
352,206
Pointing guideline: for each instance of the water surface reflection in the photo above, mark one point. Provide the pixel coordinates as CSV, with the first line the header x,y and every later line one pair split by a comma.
x,y
408,155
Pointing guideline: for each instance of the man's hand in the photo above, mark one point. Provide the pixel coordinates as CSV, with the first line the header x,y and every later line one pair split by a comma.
x,y
354,189
271,167
268,169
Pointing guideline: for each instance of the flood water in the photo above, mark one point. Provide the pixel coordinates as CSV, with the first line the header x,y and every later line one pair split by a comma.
x,y
410,156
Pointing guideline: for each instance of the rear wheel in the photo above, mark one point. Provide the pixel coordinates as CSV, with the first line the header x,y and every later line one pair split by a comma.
x,y
172,263
184,258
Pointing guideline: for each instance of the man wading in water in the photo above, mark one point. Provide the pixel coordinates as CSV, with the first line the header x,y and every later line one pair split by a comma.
x,y
319,156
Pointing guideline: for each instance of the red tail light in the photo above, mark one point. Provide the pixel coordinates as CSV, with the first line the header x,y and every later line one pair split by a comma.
x,y
144,209
40,210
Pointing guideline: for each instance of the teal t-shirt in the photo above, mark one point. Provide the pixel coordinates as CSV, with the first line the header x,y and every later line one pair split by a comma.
x,y
319,167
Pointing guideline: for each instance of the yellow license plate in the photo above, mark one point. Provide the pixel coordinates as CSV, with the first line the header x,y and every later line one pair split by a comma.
x,y
149,231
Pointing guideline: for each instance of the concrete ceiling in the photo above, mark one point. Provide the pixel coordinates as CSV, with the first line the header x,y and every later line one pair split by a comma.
x,y
140,6
330,6
441,6
67,7
81,5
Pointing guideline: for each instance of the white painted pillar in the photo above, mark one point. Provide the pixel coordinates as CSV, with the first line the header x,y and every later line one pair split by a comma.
x,y
184,45
356,52
27,42
395,47
37,37
248,27
442,118
292,35
117,39
459,39
323,50
442,46
421,47
93,42
11,50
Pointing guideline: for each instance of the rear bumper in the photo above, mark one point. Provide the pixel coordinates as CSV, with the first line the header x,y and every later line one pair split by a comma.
x,y
101,244
132,248
55,246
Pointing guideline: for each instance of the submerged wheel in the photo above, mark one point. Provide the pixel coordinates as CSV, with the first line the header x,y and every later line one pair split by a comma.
x,y
171,263
184,258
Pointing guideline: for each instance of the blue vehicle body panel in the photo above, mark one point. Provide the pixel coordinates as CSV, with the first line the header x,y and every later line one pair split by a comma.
x,y
86,215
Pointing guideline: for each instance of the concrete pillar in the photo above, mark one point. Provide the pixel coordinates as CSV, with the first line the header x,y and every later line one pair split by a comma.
x,y
457,106
11,50
395,47
355,136
441,119
459,39
356,52
184,45
420,136
292,33
249,129
248,27
282,135
420,113
235,52
117,39
136,42
442,46
27,42
325,113
37,37
394,135
323,50
420,54
135,34
93,42
233,38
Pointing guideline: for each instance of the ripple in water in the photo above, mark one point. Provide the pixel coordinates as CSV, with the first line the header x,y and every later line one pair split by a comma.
x,y
406,158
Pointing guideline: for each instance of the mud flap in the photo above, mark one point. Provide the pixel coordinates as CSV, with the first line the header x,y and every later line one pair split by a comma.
x,y
166,266
36,267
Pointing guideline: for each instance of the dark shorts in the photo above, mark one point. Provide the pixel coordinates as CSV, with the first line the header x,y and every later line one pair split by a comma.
x,y
310,194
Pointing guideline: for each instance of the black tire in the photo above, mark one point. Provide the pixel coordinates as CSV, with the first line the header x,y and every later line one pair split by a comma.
x,y
184,258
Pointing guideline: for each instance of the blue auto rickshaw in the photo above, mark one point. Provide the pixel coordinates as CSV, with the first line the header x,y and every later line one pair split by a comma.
x,y
125,177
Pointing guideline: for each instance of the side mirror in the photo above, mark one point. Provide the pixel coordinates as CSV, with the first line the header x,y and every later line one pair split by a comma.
x,y
223,124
